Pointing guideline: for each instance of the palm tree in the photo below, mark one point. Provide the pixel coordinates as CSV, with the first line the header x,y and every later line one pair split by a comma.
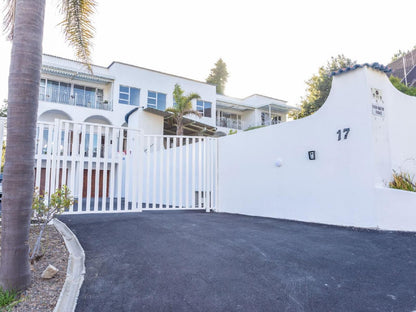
x,y
23,24
182,108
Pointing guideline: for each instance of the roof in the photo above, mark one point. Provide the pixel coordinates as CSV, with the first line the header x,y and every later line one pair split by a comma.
x,y
159,72
72,74
265,96
191,127
376,66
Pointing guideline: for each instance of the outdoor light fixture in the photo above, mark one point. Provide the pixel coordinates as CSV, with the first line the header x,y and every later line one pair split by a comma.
x,y
312,155
278,163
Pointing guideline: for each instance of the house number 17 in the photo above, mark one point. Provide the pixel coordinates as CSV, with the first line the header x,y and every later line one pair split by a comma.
x,y
345,131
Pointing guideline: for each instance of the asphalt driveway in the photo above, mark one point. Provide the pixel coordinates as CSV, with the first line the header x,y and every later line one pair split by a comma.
x,y
191,261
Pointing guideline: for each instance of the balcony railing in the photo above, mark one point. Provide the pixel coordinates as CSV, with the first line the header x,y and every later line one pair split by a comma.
x,y
104,105
229,123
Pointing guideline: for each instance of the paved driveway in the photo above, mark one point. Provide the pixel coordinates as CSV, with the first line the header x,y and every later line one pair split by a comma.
x,y
191,261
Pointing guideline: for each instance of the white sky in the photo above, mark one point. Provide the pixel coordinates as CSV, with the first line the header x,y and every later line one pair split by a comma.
x,y
270,47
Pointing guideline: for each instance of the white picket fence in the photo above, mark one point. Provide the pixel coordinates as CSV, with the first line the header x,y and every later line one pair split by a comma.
x,y
115,169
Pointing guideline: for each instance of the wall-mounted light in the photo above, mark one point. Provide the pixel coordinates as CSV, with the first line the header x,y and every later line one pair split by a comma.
x,y
312,155
278,162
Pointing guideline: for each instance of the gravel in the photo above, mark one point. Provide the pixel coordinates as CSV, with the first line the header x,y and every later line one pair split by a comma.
x,y
43,294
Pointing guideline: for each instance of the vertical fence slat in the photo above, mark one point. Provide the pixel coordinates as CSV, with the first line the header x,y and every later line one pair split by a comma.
x,y
97,160
154,172
89,166
200,142
113,156
120,168
38,155
147,153
168,152
180,193
105,169
161,152
187,173
193,177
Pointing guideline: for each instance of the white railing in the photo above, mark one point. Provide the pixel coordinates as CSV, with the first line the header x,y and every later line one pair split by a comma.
x,y
179,172
90,159
116,169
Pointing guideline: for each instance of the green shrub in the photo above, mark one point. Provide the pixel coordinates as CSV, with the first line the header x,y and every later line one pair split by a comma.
x,y
255,127
402,181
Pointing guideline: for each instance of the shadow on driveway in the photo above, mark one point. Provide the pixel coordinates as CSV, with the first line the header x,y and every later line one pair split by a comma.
x,y
191,261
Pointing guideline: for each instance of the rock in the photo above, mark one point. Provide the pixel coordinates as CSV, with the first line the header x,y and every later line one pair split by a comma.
x,y
49,272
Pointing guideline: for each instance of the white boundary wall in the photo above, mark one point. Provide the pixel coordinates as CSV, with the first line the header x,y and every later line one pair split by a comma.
x,y
346,183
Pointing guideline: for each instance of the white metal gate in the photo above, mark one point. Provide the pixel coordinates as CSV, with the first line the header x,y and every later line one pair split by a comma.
x,y
115,169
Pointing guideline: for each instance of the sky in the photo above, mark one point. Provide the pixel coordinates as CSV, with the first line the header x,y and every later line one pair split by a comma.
x,y
271,47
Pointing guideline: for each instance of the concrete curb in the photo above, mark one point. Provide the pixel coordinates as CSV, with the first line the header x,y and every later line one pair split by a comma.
x,y
75,272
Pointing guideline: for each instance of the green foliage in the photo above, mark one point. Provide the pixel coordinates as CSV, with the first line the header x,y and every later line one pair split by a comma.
x,y
255,127
46,208
319,85
402,87
400,54
3,109
232,132
183,107
218,76
402,181
7,297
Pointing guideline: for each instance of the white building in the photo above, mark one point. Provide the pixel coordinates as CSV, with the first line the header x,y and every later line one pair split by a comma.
x,y
121,93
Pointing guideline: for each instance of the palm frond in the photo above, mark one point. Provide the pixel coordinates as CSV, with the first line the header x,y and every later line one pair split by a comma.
x,y
77,27
173,110
191,112
8,20
192,96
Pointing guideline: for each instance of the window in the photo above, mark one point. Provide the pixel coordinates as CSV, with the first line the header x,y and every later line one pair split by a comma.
x,y
204,107
156,100
54,91
66,93
129,96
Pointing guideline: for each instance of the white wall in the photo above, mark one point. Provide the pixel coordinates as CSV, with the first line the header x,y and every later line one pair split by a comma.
x,y
343,186
149,80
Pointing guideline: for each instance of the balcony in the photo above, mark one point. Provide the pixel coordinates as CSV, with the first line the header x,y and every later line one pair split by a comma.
x,y
74,101
229,123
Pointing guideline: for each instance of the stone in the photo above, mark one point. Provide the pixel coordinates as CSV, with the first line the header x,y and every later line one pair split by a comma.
x,y
49,272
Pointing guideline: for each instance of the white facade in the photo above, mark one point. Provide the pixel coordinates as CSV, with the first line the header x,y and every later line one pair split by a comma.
x,y
70,92
253,111
363,132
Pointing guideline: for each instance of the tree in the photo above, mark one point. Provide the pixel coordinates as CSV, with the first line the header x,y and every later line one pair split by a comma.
x,y
218,76
182,107
402,87
319,86
400,54
3,109
23,24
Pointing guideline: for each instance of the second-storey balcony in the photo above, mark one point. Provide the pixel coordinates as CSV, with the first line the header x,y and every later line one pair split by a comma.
x,y
73,100
77,88
229,123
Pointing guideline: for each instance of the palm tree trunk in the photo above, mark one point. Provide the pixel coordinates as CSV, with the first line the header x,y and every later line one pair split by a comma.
x,y
24,77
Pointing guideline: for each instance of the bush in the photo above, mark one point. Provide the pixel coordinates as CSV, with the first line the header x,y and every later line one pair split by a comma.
x,y
45,209
402,181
